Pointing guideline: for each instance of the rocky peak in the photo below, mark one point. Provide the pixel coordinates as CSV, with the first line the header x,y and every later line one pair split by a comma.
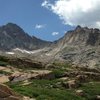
x,y
83,35
12,36
12,28
78,27
80,46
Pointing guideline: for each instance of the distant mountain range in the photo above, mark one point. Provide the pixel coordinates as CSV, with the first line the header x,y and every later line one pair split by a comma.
x,y
79,47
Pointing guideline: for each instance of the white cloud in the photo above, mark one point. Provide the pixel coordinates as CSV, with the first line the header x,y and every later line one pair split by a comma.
x,y
55,33
76,12
46,4
38,26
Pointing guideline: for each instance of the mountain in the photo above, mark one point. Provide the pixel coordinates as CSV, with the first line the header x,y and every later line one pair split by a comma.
x,y
80,47
82,36
12,36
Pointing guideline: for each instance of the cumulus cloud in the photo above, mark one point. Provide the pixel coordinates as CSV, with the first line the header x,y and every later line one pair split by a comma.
x,y
76,12
55,33
38,26
46,4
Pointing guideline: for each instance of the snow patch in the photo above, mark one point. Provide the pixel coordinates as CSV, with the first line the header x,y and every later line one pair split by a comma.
x,y
10,53
28,52
47,54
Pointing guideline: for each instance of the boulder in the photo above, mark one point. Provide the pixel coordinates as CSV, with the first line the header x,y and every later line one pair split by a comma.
x,y
71,84
8,94
12,98
36,74
80,92
50,66
46,76
98,97
81,78
28,98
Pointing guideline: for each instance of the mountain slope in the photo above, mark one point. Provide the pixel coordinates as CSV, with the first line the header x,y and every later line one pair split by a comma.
x,y
80,46
12,36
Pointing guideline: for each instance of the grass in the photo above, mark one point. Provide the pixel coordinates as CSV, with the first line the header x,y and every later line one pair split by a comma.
x,y
58,72
44,90
53,89
2,63
62,65
47,90
3,58
4,72
91,89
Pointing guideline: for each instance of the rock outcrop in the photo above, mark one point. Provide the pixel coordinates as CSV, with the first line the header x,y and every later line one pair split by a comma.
x,y
8,94
25,63
35,74
71,84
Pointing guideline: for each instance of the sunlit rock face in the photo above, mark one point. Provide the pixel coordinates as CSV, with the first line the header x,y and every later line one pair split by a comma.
x,y
80,46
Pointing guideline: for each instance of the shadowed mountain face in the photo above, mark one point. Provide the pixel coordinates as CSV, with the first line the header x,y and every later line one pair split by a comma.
x,y
12,36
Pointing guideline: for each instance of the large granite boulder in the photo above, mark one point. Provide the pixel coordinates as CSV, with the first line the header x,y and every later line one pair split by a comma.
x,y
8,94
71,84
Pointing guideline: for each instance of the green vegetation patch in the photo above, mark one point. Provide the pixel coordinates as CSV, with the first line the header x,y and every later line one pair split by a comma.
x,y
2,63
5,73
91,90
44,90
61,64
58,73
47,90
4,59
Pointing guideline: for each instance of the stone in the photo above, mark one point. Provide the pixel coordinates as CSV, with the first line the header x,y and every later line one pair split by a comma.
x,y
71,84
6,89
81,78
28,98
98,97
8,94
3,94
12,98
34,74
80,92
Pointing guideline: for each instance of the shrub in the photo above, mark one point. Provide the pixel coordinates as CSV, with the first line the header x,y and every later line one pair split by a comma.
x,y
2,63
58,73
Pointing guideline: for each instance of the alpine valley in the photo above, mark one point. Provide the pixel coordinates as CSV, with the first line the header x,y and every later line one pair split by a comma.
x,y
79,47
34,69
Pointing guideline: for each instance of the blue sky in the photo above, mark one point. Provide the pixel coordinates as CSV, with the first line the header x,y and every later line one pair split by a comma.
x,y
33,18
49,19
